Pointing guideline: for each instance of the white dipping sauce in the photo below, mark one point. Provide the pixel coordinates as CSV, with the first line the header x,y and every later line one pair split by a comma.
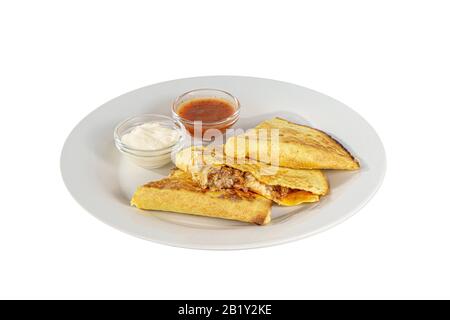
x,y
150,136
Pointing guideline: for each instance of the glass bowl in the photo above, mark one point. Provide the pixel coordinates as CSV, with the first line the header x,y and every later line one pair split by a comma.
x,y
221,124
146,158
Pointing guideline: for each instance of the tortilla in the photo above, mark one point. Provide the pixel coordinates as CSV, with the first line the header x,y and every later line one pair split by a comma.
x,y
178,193
285,186
299,147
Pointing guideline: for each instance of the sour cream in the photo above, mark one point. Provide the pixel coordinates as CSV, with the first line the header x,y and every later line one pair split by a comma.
x,y
150,136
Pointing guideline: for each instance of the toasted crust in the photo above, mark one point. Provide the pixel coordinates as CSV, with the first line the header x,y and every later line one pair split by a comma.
x,y
300,147
178,193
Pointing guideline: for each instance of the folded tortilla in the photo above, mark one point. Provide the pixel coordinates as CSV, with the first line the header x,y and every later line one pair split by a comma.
x,y
288,144
286,186
178,193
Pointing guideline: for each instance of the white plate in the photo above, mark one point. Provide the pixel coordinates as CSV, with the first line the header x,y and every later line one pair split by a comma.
x,y
102,181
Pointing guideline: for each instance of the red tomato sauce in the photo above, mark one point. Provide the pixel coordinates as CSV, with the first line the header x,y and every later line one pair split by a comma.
x,y
206,110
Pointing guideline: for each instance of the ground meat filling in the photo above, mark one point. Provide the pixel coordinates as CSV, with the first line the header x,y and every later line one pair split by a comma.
x,y
227,177
280,192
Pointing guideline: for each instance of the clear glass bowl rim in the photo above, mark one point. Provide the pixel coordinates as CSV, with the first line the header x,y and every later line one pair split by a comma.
x,y
148,153
232,117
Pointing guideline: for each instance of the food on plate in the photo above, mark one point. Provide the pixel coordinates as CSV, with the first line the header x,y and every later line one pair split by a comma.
x,y
299,146
178,193
151,135
284,186
277,161
216,109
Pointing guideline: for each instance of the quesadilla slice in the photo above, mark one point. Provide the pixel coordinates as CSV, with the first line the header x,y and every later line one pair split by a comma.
x,y
288,144
178,193
285,186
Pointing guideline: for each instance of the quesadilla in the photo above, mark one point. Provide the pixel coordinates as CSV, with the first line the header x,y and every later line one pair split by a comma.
x,y
288,144
285,186
178,193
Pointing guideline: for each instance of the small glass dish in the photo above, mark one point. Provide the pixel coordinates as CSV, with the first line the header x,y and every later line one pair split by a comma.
x,y
206,94
146,158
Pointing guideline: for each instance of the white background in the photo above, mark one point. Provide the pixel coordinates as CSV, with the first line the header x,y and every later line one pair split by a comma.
x,y
388,60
